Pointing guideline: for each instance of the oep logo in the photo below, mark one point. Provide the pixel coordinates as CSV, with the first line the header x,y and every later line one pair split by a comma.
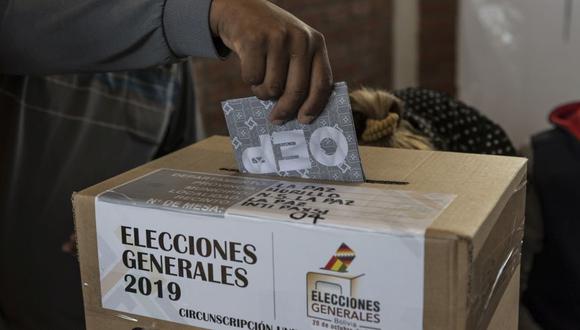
x,y
327,146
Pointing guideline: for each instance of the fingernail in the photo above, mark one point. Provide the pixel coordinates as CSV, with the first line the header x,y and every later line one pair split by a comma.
x,y
278,122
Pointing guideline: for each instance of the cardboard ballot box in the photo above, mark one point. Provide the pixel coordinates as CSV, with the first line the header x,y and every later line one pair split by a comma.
x,y
431,241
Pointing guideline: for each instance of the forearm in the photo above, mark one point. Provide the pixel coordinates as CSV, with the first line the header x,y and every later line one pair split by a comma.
x,y
43,37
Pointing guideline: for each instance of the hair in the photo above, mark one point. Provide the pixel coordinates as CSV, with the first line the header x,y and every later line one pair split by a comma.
x,y
378,121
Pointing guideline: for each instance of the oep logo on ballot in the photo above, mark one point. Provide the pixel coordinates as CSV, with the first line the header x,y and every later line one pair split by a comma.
x,y
327,145
326,149
333,299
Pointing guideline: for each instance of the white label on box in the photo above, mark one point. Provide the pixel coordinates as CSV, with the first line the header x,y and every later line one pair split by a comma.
x,y
247,253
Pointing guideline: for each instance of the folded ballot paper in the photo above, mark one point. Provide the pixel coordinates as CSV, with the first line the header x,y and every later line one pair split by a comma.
x,y
326,149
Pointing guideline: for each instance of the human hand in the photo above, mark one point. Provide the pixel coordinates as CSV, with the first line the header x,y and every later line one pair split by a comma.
x,y
281,57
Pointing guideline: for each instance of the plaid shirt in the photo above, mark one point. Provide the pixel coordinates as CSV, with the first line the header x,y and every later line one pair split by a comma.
x,y
61,134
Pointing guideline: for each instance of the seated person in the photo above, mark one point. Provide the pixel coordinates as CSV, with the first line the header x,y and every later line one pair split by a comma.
x,y
422,119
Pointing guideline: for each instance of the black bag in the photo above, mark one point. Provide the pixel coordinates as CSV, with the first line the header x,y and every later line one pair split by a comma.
x,y
553,292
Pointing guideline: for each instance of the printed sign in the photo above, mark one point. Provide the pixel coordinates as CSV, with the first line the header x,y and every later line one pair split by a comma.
x,y
326,149
184,247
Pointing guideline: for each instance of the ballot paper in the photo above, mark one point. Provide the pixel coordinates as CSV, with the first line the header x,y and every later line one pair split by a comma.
x,y
326,149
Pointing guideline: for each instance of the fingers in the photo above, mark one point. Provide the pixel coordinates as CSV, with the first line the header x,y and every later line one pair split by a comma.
x,y
321,83
276,70
297,81
309,81
253,63
281,57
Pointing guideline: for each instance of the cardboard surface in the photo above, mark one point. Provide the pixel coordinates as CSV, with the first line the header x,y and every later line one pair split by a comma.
x,y
471,252
506,314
